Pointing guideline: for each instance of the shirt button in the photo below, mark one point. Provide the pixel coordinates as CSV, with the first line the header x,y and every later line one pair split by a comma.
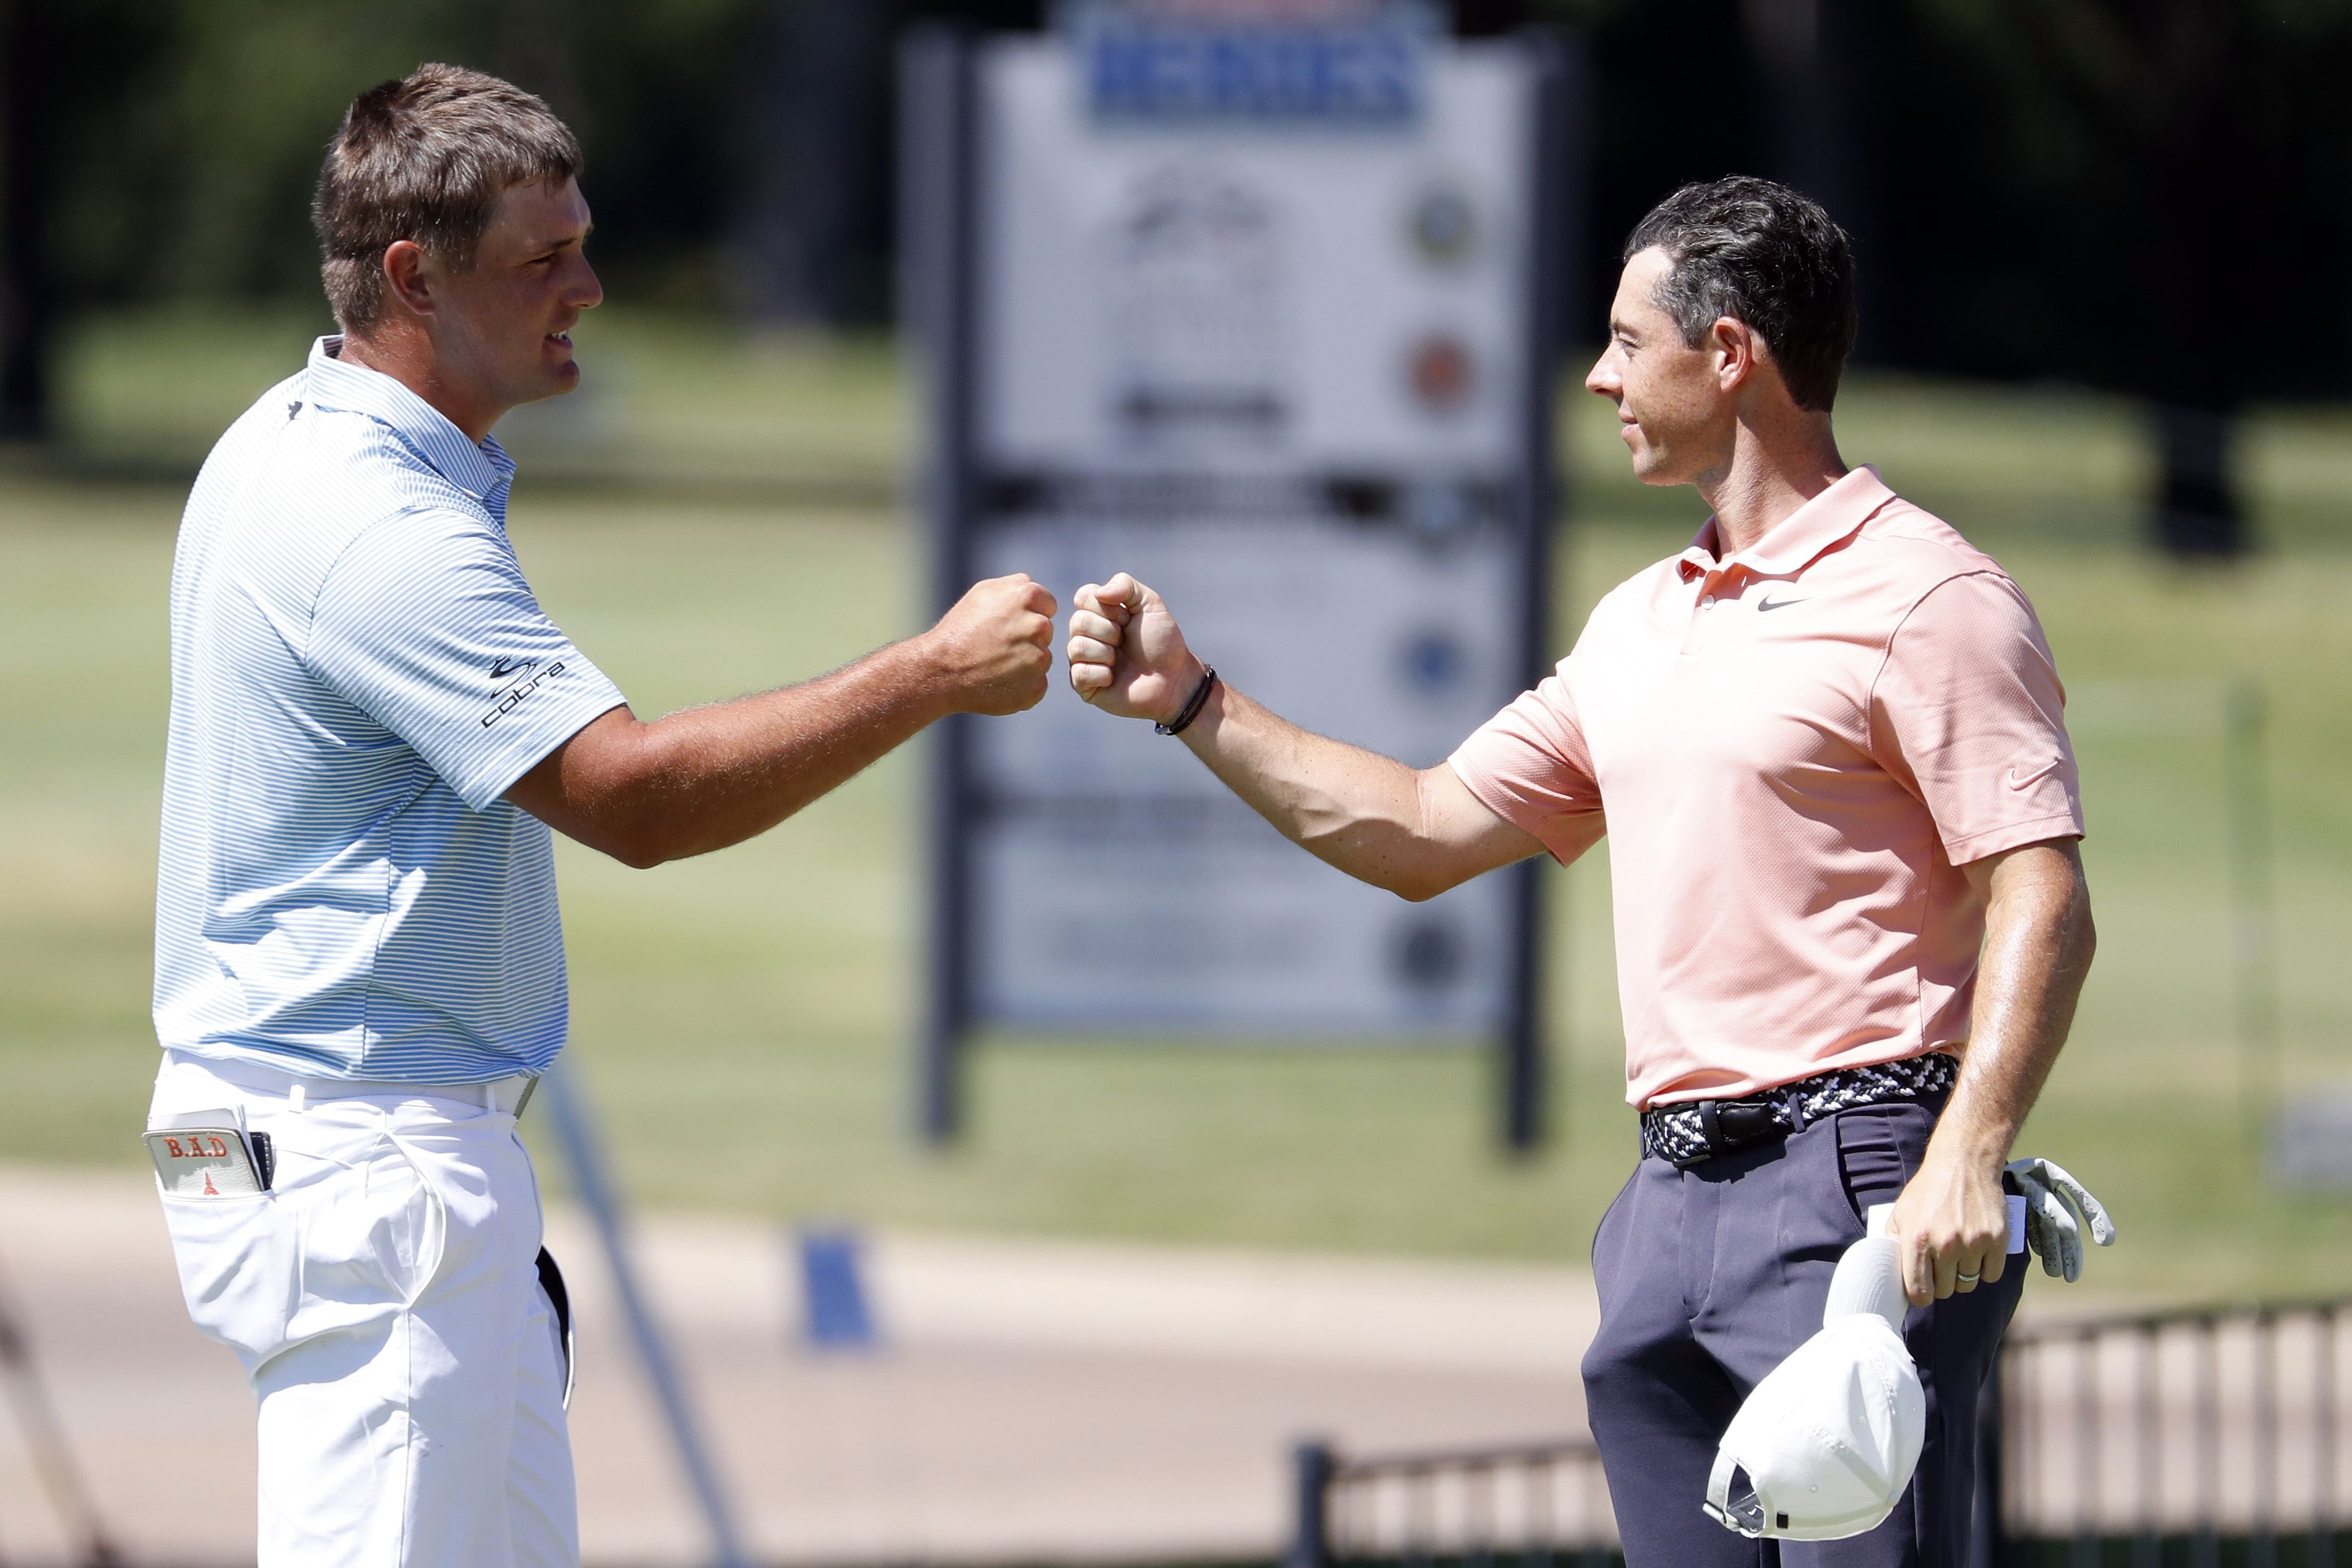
x,y
1707,603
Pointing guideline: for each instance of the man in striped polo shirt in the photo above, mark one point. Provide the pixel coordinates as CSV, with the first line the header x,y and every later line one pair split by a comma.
x,y
373,726
1826,743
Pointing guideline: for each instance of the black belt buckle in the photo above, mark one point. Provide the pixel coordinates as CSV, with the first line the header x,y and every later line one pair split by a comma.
x,y
1723,1125
1727,1124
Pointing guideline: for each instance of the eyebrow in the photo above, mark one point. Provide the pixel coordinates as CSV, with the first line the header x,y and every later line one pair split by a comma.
x,y
543,247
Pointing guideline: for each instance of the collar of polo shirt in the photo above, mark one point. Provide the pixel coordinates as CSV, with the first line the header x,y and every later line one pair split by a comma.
x,y
332,382
1827,521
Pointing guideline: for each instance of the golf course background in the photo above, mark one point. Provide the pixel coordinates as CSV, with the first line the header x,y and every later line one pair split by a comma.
x,y
716,513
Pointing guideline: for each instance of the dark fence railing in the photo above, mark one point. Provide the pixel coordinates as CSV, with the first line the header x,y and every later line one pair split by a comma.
x,y
2185,1438
2174,1432
1529,1505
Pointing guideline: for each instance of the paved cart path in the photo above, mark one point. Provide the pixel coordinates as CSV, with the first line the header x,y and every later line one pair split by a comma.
x,y
1034,1401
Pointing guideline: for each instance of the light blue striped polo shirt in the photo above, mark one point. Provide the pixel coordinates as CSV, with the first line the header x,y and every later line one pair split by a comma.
x,y
359,672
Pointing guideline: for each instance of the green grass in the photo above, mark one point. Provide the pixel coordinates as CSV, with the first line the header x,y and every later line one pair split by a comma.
x,y
743,1019
680,405
693,406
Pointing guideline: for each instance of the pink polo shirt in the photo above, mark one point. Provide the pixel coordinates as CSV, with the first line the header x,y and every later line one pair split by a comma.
x,y
1791,750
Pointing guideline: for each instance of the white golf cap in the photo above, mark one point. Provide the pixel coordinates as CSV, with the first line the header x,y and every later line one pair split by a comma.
x,y
1829,1439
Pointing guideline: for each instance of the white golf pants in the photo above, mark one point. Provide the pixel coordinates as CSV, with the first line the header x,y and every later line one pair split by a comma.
x,y
385,1299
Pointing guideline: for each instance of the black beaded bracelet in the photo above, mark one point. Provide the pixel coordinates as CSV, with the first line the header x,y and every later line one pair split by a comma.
x,y
1193,708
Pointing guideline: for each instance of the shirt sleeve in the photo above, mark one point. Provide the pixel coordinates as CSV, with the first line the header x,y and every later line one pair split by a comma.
x,y
427,625
1528,765
1968,713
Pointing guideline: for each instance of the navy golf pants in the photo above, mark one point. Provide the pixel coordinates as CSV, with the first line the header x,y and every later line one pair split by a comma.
x,y
1709,1277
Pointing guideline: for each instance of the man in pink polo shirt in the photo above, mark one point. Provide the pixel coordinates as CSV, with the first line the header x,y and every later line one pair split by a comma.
x,y
1827,747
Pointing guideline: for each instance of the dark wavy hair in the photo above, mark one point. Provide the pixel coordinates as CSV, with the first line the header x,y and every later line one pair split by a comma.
x,y
425,159
1761,253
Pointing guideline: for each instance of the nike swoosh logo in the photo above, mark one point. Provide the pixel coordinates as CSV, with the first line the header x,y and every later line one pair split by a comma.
x,y
2026,781
1763,605
501,669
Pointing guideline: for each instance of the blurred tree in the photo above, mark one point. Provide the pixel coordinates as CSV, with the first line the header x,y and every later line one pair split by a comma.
x,y
24,310
187,137
1795,45
2150,183
2130,193
816,222
72,78
1808,54
2122,192
662,110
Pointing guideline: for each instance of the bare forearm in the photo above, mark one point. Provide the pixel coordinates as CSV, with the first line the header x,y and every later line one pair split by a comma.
x,y
1354,809
2039,941
1414,833
708,777
717,775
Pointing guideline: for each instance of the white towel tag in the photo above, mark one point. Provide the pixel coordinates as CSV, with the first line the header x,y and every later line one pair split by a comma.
x,y
204,1154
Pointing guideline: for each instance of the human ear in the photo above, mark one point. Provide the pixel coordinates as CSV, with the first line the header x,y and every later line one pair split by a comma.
x,y
405,275
1735,346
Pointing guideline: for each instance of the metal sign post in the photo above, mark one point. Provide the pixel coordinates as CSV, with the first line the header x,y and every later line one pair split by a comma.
x,y
937,159
1260,304
45,1436
568,1109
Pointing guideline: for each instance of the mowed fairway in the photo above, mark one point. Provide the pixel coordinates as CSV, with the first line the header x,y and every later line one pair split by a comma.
x,y
743,1020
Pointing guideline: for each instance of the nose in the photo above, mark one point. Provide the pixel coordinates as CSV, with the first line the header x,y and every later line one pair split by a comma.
x,y
586,293
1603,377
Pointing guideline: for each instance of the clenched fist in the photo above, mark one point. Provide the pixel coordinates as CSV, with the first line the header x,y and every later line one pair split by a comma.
x,y
994,649
1127,654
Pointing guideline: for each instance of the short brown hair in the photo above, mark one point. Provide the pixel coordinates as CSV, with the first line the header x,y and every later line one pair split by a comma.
x,y
427,159
1759,253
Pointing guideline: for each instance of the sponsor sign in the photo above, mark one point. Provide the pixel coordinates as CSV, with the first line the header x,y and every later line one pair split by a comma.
x,y
1247,301
1324,65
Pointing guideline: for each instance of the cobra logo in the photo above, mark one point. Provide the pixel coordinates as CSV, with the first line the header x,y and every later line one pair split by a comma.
x,y
512,696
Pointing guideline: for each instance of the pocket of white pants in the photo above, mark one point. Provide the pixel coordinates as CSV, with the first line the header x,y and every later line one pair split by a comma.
x,y
352,1231
373,1231
237,1270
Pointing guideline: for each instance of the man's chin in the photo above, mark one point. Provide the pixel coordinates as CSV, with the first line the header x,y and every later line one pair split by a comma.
x,y
555,378
1650,467
549,382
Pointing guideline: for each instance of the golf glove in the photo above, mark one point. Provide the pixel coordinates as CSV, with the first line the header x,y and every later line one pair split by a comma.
x,y
2058,1208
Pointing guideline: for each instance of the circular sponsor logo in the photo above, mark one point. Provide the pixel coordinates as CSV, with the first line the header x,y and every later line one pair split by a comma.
x,y
1443,225
1441,372
1428,955
1432,662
